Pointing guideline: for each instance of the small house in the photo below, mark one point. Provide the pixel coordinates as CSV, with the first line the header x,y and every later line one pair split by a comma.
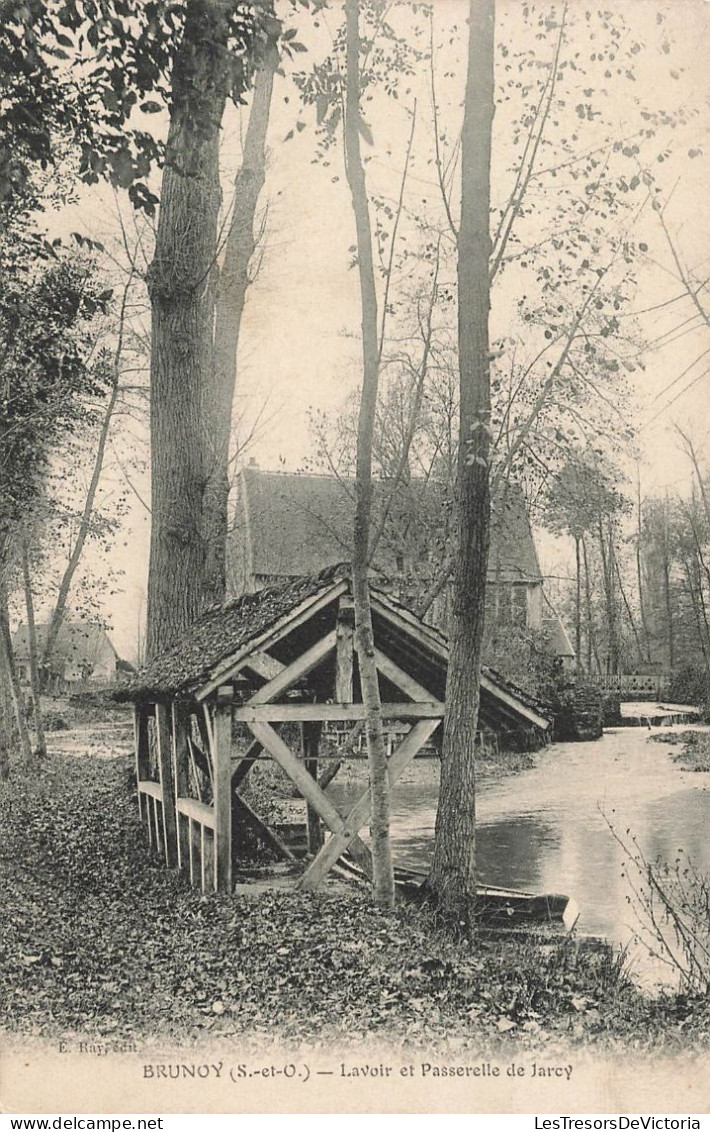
x,y
82,654
294,525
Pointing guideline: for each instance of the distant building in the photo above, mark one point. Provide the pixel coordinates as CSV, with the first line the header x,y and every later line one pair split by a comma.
x,y
293,525
82,654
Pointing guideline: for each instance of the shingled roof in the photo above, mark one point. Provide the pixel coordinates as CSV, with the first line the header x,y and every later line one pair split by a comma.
x,y
221,632
227,632
295,524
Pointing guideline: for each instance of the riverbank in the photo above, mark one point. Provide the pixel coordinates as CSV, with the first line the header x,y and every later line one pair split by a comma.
x,y
102,942
694,754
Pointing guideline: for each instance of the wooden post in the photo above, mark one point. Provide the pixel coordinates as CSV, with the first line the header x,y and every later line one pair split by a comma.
x,y
344,642
310,739
180,753
191,848
167,783
140,730
222,754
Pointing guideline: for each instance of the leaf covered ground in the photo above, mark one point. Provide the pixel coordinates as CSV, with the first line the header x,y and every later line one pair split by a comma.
x,y
100,940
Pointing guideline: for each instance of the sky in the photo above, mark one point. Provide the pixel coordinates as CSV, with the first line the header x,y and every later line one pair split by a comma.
x,y
299,347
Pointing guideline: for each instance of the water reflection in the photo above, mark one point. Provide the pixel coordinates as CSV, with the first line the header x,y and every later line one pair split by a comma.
x,y
548,828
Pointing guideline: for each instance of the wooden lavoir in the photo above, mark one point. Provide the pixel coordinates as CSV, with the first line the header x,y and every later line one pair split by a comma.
x,y
260,678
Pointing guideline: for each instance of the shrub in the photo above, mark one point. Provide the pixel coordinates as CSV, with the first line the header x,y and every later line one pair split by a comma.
x,y
55,721
671,903
689,685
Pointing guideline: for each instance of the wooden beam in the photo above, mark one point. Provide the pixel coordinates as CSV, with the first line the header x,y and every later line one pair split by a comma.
x,y
140,733
223,791
180,713
150,788
196,811
430,640
167,783
261,664
516,705
410,624
336,845
264,830
295,671
400,678
285,625
197,758
329,773
361,854
246,762
305,713
140,737
206,726
296,771
180,720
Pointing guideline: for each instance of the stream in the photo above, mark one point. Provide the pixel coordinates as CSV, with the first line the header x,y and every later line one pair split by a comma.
x,y
547,829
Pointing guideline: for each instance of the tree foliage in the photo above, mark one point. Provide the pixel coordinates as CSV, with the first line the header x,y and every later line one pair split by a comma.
x,y
48,379
90,74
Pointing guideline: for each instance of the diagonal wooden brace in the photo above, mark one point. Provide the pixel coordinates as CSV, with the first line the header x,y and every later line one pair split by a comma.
x,y
268,835
245,764
272,742
336,845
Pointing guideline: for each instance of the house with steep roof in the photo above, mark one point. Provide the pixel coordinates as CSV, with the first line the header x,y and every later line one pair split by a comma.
x,y
82,653
291,525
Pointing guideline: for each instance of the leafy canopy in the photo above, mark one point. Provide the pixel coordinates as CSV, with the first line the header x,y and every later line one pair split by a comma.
x,y
88,72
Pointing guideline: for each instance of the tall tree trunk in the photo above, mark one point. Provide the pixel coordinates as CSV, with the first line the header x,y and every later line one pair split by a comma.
x,y
232,290
693,583
606,550
639,571
383,874
690,449
627,607
41,746
668,602
453,872
182,295
578,602
7,661
591,641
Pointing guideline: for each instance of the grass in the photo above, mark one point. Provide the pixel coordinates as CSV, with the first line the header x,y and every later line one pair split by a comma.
x,y
695,749
499,764
101,941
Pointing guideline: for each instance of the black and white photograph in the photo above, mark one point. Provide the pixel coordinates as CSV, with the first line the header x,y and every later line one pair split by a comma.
x,y
355,557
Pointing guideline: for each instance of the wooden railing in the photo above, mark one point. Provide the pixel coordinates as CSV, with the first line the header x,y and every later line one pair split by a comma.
x,y
195,837
150,806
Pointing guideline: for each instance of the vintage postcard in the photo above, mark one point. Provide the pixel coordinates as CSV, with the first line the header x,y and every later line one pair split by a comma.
x,y
355,557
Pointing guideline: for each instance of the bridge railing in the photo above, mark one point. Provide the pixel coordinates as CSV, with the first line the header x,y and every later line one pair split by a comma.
x,y
636,685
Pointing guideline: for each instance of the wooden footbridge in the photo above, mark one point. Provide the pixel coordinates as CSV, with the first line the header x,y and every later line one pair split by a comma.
x,y
263,675
636,686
